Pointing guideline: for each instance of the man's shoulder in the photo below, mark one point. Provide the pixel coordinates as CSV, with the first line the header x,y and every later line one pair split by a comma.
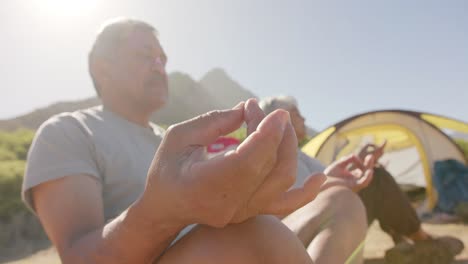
x,y
66,120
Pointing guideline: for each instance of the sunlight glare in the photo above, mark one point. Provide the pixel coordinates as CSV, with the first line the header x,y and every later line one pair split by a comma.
x,y
66,8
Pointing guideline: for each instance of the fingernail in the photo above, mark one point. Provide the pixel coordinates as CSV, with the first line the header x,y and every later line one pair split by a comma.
x,y
250,102
283,117
254,100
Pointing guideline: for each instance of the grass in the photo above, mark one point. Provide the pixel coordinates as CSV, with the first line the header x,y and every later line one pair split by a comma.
x,y
11,177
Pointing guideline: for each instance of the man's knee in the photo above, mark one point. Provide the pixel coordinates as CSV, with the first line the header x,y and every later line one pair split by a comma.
x,y
263,239
336,207
333,204
347,206
343,227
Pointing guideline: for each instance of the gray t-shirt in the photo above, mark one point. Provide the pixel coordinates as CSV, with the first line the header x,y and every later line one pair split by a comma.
x,y
306,166
98,143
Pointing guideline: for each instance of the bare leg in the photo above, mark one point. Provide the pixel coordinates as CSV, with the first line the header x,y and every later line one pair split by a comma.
x,y
263,239
333,226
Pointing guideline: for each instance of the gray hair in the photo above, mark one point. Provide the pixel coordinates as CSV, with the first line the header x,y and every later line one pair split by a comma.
x,y
271,104
110,35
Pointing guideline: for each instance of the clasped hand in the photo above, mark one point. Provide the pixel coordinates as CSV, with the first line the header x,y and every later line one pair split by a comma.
x,y
250,180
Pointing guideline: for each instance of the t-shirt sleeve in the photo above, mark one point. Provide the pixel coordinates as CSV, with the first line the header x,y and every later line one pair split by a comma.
x,y
62,147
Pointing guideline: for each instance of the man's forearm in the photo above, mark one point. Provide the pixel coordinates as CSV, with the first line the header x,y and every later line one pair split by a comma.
x,y
130,238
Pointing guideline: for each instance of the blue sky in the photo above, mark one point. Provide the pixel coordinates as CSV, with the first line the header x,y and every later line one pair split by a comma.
x,y
338,58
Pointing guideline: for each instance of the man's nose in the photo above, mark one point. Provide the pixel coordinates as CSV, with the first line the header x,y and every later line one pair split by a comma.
x,y
159,66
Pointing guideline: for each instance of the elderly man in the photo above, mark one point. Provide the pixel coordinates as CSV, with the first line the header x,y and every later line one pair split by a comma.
x,y
333,227
329,225
111,187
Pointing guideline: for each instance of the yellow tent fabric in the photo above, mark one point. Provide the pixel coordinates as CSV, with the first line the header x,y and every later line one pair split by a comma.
x,y
315,143
447,123
414,142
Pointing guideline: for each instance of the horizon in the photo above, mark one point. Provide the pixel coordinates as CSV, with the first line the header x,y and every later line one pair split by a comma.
x,y
217,68
341,59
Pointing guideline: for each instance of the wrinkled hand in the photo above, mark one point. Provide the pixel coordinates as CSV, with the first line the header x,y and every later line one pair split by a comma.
x,y
273,196
351,172
372,149
250,180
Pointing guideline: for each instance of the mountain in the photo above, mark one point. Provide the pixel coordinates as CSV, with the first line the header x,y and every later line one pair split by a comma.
x,y
224,89
187,98
35,118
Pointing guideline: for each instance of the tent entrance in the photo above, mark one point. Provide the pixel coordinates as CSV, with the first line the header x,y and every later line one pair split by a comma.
x,y
405,157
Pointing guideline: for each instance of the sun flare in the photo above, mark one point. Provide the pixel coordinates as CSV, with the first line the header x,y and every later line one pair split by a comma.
x,y
66,8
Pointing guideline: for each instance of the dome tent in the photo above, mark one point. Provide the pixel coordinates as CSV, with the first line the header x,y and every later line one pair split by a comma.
x,y
415,140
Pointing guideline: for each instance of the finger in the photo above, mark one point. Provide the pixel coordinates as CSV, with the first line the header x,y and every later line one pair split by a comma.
x,y
206,128
369,161
383,144
356,174
283,174
253,115
351,160
271,128
296,198
365,180
380,150
246,167
342,172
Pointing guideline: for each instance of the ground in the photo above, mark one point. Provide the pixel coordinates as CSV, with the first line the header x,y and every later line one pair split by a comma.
x,y
377,241
376,244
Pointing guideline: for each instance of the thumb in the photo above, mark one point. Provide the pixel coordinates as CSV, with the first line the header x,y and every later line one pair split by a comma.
x,y
296,198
